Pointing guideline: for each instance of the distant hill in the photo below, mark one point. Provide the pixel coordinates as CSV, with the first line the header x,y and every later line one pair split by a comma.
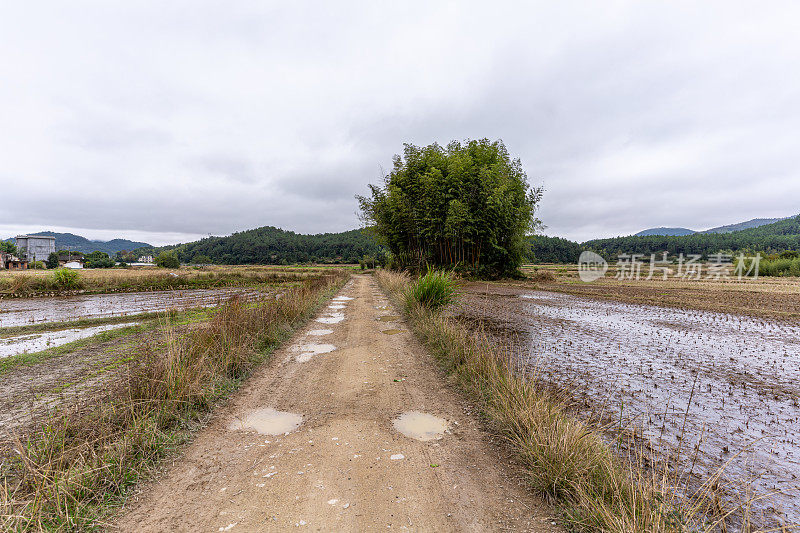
x,y
774,237
756,222
665,231
270,245
70,241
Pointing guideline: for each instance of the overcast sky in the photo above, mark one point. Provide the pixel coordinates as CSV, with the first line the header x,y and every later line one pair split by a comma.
x,y
168,121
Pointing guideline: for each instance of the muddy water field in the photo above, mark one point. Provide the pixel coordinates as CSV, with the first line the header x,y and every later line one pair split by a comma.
x,y
642,365
45,370
27,311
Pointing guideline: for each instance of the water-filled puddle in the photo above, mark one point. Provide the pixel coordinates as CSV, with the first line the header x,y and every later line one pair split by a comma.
x,y
336,306
391,331
388,318
307,351
268,422
332,318
341,298
320,332
420,426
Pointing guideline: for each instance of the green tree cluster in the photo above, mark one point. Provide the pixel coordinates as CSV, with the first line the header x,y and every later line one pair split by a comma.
x,y
468,205
52,260
544,249
8,247
167,260
98,259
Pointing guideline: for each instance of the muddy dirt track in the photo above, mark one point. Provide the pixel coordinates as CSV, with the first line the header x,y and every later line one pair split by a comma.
x,y
346,467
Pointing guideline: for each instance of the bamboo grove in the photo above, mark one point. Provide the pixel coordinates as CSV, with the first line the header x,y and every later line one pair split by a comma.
x,y
466,206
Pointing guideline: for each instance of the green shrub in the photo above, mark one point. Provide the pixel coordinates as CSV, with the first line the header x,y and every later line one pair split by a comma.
x,y
36,265
103,262
167,260
434,290
52,260
65,278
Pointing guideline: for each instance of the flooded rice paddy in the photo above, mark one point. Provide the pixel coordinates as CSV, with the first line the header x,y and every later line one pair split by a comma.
x,y
36,342
646,363
28,311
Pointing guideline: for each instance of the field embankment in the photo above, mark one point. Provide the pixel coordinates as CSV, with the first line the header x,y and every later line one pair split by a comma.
x,y
70,471
601,484
31,283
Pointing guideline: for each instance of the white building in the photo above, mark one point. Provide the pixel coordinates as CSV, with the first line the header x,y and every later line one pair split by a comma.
x,y
35,247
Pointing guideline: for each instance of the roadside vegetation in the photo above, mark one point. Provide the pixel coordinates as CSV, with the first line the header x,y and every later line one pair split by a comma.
x,y
568,460
77,469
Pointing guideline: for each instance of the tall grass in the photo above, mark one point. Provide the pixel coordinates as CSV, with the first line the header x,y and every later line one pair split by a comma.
x,y
779,267
566,459
70,475
434,290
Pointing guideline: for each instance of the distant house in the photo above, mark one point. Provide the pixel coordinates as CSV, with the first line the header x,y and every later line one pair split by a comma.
x,y
35,247
69,259
12,262
146,259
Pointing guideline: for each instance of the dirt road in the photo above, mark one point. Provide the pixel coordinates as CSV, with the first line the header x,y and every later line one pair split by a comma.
x,y
339,460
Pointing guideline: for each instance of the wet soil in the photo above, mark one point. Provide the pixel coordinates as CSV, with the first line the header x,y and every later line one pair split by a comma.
x,y
28,394
36,342
642,364
25,311
346,468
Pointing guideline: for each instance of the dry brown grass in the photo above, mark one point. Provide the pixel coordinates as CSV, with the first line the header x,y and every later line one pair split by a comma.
x,y
567,459
42,282
78,468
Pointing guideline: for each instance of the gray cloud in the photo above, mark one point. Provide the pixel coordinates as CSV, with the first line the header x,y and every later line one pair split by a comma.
x,y
170,121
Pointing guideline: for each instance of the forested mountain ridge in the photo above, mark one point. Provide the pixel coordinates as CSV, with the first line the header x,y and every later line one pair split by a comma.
x,y
664,231
754,223
271,245
770,238
70,241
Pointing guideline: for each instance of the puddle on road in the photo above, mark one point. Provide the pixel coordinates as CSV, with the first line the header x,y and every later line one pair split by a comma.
x,y
307,351
341,298
268,422
391,331
388,318
320,332
333,318
11,346
420,426
336,306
